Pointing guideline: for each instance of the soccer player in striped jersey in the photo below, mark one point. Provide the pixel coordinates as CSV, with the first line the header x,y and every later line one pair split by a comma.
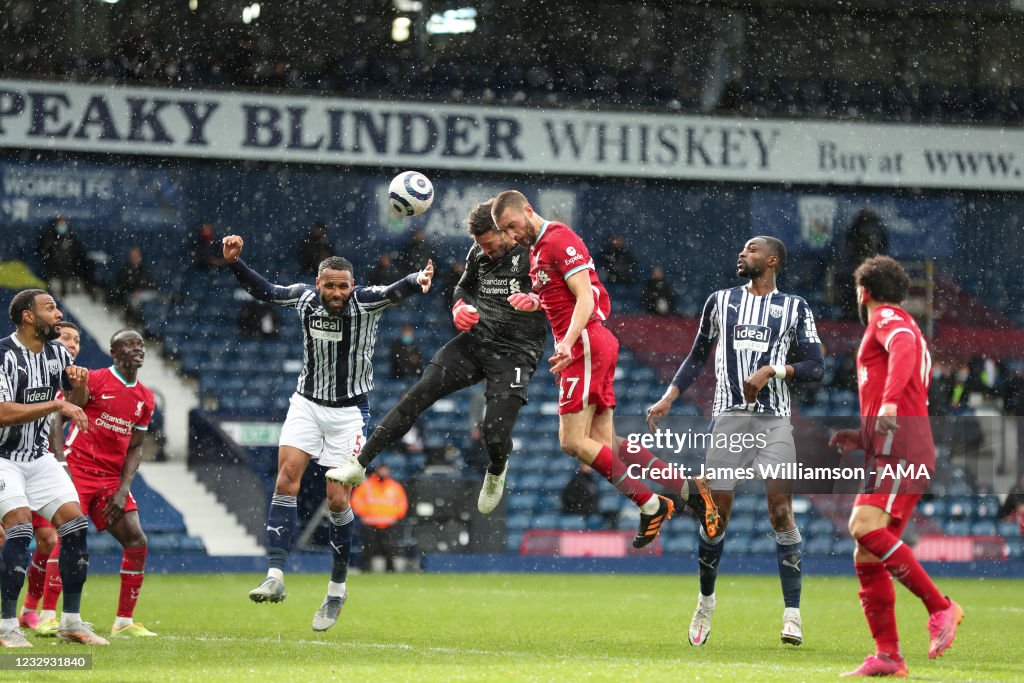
x,y
497,343
567,288
33,367
328,412
43,570
893,373
756,327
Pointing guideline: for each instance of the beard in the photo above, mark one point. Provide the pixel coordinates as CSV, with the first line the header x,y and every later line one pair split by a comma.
x,y
46,332
331,310
862,313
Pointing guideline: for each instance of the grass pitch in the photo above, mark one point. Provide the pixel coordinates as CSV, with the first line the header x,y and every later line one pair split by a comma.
x,y
501,627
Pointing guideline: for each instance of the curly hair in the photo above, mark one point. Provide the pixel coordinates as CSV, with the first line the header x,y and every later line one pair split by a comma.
x,y
884,279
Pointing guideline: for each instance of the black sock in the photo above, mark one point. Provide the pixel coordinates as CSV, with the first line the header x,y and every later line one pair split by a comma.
x,y
14,559
73,562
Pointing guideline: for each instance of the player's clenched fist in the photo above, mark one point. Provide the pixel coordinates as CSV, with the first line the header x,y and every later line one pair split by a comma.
x,y
521,301
77,375
464,315
232,248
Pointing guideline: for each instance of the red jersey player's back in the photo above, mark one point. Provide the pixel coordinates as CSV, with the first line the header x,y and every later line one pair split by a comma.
x,y
903,382
557,254
115,409
894,367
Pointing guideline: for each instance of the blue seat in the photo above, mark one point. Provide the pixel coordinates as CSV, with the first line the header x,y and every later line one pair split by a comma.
x,y
762,546
957,528
821,528
1009,530
818,546
985,527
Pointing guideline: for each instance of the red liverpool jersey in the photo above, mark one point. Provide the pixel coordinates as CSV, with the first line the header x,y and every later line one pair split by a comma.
x,y
893,365
557,254
115,409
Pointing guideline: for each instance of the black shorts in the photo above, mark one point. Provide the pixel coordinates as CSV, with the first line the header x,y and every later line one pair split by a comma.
x,y
468,361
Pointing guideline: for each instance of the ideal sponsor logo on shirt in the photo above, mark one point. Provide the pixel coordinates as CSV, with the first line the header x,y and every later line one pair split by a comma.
x,y
38,394
751,338
325,324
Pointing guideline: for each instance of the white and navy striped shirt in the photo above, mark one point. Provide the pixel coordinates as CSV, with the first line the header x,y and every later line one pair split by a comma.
x,y
337,357
28,378
754,331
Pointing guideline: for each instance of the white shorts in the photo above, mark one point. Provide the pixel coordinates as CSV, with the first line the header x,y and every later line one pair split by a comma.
x,y
328,435
755,440
42,485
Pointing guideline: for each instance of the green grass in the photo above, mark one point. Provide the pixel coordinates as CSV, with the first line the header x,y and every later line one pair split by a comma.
x,y
526,627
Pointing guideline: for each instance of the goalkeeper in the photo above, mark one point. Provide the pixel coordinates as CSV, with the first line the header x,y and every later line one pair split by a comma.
x,y
497,343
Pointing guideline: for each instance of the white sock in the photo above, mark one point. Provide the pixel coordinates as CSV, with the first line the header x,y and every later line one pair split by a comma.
x,y
47,614
651,506
706,599
336,590
121,622
70,619
8,624
275,574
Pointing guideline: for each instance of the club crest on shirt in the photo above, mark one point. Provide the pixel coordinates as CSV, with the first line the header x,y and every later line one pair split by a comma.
x,y
138,408
515,262
775,311
53,366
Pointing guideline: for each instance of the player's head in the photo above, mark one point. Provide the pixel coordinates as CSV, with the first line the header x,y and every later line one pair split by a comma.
x,y
761,254
70,337
335,279
35,311
882,280
128,349
515,217
480,225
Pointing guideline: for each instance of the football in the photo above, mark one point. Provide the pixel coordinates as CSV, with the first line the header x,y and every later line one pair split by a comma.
x,y
410,194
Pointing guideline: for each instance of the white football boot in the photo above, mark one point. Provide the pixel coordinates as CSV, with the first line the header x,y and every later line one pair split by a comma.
x,y
491,491
792,631
700,625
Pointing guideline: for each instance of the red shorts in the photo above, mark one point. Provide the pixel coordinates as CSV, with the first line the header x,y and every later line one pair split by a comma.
x,y
40,522
589,380
93,493
900,507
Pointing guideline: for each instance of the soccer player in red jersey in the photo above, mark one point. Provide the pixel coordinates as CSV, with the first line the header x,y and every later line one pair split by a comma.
x,y
44,560
893,372
566,286
103,463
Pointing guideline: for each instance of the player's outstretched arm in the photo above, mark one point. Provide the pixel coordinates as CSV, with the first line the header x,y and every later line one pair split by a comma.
x,y
253,282
413,283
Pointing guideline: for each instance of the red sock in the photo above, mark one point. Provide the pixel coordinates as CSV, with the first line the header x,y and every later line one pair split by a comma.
x,y
635,454
36,580
878,600
54,585
899,559
614,470
133,561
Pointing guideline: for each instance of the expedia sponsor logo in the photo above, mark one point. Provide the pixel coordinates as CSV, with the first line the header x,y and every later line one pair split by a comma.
x,y
751,338
38,394
573,259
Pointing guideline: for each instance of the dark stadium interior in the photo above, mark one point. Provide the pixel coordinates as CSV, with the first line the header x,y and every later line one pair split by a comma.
x,y
891,61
